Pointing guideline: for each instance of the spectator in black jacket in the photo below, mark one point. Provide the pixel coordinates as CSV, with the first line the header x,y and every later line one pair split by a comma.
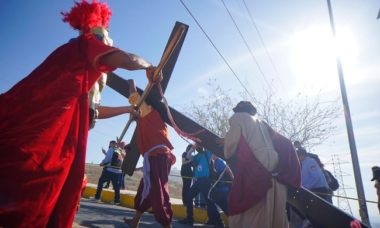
x,y
186,173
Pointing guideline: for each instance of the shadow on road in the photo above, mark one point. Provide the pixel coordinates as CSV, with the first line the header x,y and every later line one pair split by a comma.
x,y
95,215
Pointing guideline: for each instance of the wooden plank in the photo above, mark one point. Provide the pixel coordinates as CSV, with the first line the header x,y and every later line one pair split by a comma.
x,y
175,39
318,211
169,66
121,85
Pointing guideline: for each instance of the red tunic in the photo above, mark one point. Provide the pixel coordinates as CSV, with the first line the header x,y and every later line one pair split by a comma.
x,y
152,131
43,136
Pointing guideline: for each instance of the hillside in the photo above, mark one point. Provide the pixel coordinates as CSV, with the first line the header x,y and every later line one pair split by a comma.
x,y
93,172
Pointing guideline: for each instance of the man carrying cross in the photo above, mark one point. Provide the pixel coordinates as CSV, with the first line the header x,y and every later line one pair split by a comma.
x,y
44,122
152,138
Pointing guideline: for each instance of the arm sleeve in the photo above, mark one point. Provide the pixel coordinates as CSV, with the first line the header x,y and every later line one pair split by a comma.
x,y
219,166
309,174
232,138
95,50
108,157
189,153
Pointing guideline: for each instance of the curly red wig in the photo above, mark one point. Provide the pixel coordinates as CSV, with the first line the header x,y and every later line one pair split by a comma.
x,y
84,15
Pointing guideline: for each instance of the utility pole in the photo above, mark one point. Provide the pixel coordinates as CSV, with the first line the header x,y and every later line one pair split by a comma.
x,y
351,138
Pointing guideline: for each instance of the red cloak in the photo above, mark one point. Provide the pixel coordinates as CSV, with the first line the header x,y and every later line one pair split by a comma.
x,y
252,180
43,136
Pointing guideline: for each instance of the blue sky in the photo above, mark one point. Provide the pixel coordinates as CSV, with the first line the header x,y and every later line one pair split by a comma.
x,y
296,35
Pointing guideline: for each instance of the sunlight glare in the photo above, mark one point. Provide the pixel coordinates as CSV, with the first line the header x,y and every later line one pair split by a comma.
x,y
314,57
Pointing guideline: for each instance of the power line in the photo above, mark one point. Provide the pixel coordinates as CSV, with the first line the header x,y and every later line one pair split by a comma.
x,y
262,41
217,50
246,44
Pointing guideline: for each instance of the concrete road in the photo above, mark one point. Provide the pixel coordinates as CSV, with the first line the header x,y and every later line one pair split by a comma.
x,y
94,214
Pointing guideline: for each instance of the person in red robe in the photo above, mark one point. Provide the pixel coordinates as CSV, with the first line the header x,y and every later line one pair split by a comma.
x,y
44,122
152,138
264,163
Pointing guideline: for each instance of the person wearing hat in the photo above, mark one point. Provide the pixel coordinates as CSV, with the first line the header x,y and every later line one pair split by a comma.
x,y
376,178
44,122
256,198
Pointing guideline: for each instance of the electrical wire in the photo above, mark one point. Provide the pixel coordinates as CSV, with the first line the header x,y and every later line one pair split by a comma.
x,y
217,50
246,44
262,42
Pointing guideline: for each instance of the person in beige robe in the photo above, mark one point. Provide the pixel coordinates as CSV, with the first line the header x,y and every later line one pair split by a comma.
x,y
270,211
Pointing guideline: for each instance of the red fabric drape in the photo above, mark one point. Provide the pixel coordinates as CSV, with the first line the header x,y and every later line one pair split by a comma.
x,y
251,180
288,168
43,136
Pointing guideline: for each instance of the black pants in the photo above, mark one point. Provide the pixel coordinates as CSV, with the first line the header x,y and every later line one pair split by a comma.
x,y
202,185
221,199
115,179
186,184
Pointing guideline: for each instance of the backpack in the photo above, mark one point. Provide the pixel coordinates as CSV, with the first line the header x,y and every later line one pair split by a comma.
x,y
116,159
331,180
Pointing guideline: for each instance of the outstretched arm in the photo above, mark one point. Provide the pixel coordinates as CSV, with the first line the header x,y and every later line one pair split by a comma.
x,y
189,152
185,161
107,112
122,59
128,61
104,151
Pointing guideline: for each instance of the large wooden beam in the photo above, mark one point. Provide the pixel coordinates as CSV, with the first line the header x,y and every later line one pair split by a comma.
x,y
183,122
319,212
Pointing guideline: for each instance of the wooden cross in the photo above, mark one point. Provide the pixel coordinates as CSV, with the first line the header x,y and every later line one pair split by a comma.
x,y
184,123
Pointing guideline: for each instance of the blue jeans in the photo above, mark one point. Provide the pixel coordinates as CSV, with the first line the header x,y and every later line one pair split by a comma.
x,y
114,178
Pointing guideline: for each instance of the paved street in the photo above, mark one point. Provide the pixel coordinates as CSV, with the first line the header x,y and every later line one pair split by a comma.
x,y
94,214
